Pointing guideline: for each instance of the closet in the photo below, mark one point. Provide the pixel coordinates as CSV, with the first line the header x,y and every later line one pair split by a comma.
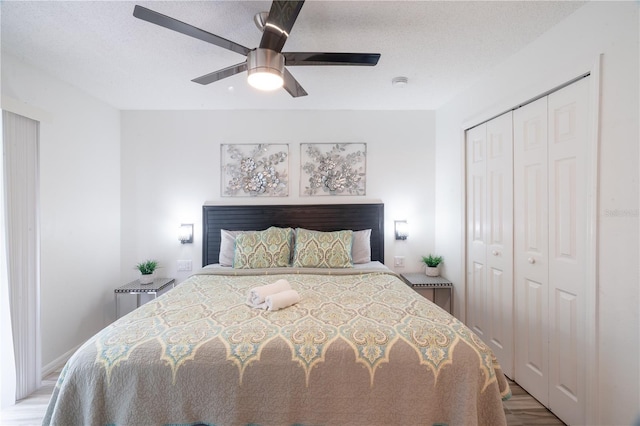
x,y
527,235
490,236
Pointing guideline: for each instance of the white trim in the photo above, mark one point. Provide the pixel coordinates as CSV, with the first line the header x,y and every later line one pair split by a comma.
x,y
592,314
24,109
462,303
59,362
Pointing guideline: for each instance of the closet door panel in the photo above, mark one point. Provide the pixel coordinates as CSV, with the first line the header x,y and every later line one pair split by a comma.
x,y
568,133
531,248
501,325
476,229
535,357
499,255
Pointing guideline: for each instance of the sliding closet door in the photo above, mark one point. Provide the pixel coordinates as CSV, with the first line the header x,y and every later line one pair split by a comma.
x,y
490,236
531,248
568,128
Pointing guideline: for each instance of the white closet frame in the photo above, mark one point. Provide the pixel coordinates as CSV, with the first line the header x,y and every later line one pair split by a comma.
x,y
557,80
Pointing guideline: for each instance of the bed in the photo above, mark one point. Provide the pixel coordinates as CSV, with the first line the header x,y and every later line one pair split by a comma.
x,y
359,348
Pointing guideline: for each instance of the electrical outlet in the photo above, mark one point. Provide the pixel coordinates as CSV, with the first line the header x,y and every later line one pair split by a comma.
x,y
184,265
398,261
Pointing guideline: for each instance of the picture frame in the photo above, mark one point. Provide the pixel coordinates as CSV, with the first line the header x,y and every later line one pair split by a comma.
x,y
333,169
254,170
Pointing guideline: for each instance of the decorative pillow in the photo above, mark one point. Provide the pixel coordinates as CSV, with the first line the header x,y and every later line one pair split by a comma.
x,y
315,249
228,246
270,248
361,250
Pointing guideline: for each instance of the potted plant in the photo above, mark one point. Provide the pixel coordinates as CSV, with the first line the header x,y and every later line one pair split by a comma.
x,y
433,265
146,269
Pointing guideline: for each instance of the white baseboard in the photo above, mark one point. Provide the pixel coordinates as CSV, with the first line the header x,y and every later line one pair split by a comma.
x,y
58,362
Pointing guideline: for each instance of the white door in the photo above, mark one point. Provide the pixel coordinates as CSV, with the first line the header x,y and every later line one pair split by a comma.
x,y
476,230
499,257
531,249
490,236
567,152
550,210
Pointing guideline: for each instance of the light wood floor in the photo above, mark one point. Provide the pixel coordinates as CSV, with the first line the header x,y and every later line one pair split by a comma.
x,y
524,410
30,410
521,409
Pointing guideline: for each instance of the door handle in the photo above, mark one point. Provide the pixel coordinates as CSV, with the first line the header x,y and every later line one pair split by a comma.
x,y
531,260
496,253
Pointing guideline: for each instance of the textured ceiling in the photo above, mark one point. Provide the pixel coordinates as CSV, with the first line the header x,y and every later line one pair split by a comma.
x,y
442,47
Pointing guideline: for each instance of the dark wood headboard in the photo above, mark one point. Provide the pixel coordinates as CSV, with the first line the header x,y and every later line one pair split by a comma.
x,y
319,217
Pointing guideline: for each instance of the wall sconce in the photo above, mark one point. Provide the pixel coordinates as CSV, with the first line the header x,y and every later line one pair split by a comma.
x,y
185,235
401,228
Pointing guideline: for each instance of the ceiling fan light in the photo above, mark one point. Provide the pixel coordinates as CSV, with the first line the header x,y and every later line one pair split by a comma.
x,y
266,80
265,69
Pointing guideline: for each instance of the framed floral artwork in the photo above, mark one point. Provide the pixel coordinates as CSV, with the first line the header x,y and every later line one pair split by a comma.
x,y
252,170
333,169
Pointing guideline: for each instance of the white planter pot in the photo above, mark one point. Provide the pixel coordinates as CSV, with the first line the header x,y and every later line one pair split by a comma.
x,y
432,271
146,279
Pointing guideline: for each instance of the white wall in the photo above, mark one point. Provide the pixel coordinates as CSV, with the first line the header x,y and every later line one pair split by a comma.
x,y
115,185
80,205
562,53
171,167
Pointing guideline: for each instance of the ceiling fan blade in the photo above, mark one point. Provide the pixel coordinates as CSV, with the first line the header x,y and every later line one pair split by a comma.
x,y
186,29
220,74
292,86
318,58
282,16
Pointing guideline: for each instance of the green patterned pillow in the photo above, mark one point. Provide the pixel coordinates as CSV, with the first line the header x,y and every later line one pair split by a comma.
x,y
315,249
270,248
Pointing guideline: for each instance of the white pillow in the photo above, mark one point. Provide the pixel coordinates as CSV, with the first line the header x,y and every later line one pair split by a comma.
x,y
227,246
361,247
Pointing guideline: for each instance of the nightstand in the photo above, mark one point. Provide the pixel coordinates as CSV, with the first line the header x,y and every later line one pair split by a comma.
x,y
440,288
134,287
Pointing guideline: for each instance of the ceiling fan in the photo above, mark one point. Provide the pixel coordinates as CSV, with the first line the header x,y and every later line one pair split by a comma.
x,y
265,64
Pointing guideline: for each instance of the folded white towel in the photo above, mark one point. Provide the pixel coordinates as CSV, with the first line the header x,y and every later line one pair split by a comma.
x,y
257,295
282,300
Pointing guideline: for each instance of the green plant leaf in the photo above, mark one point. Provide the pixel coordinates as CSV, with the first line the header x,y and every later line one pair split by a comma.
x,y
147,267
432,261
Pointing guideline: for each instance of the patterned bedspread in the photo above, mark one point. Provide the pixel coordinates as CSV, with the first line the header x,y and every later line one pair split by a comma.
x,y
361,348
